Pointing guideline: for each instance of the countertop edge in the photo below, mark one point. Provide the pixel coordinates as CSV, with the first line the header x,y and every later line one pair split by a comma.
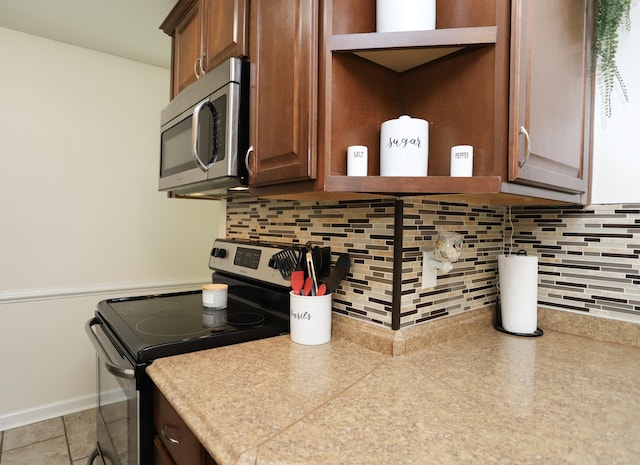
x,y
411,339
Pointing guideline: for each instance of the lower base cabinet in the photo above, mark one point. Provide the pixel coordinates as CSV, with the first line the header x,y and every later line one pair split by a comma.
x,y
174,443
161,455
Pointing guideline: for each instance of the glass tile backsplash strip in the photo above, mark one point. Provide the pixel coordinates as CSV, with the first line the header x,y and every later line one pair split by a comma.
x,y
364,229
471,284
588,256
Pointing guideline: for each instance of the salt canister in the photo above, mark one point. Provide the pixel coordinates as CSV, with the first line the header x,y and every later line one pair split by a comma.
x,y
404,147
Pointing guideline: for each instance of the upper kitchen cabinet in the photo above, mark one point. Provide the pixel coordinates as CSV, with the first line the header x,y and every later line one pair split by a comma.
x,y
324,80
551,93
205,33
284,91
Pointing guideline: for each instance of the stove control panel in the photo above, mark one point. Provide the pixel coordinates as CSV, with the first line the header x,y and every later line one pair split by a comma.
x,y
247,259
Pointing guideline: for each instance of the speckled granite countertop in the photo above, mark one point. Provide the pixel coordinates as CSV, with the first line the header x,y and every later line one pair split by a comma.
x,y
486,398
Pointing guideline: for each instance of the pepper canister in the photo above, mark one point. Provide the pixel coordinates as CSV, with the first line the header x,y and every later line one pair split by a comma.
x,y
404,147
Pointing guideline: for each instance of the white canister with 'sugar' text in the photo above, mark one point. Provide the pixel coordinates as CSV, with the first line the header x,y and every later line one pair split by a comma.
x,y
404,147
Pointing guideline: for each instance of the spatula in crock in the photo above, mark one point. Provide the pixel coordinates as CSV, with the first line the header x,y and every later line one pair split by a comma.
x,y
297,281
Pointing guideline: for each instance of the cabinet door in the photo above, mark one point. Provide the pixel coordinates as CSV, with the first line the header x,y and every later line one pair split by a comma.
x,y
284,55
225,31
551,93
187,44
161,455
174,434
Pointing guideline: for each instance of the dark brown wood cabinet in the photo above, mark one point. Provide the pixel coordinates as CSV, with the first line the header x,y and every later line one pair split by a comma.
x,y
161,455
205,33
475,79
551,93
174,443
512,78
284,91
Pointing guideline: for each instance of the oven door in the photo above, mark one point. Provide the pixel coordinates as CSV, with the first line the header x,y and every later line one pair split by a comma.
x,y
117,418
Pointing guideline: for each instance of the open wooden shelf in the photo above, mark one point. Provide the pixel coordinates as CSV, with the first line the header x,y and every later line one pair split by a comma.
x,y
401,51
413,185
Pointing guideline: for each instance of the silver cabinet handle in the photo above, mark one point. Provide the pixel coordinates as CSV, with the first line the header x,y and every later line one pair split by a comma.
x,y
194,135
115,370
246,160
198,70
528,152
200,58
195,67
167,437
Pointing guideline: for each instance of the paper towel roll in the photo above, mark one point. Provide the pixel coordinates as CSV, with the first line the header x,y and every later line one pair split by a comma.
x,y
518,276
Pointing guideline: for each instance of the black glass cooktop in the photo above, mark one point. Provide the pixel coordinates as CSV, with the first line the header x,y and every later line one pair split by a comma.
x,y
169,324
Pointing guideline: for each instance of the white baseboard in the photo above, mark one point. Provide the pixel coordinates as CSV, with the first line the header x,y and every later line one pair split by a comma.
x,y
46,412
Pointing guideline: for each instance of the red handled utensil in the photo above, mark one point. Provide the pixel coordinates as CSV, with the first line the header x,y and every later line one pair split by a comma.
x,y
308,284
297,281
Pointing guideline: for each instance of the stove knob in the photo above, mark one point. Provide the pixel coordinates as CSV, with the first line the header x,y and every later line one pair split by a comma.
x,y
218,252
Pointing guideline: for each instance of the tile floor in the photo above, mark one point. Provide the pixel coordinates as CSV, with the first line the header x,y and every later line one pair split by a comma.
x,y
66,440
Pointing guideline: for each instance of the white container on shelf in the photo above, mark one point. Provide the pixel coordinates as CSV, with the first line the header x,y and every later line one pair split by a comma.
x,y
462,160
405,15
357,160
404,147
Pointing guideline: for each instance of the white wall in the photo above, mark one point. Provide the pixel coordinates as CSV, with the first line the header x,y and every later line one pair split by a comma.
x,y
616,156
81,217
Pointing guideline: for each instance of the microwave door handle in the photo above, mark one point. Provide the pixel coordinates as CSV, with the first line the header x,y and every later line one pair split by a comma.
x,y
195,135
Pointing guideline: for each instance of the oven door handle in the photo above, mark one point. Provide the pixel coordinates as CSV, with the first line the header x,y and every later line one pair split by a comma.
x,y
127,373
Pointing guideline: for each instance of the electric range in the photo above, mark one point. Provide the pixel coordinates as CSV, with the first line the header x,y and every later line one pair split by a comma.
x,y
130,333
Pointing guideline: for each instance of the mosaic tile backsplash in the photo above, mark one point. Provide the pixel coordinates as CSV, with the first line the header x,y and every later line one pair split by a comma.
x,y
364,229
588,256
472,282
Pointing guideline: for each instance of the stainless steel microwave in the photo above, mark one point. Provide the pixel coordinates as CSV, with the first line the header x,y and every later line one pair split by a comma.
x,y
204,133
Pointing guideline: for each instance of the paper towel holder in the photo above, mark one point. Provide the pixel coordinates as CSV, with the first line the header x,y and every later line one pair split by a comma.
x,y
498,319
446,251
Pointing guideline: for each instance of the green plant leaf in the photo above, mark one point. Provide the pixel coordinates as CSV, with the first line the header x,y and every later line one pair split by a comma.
x,y
611,16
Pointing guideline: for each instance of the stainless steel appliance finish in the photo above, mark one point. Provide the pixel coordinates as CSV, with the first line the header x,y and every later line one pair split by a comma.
x,y
118,439
204,133
130,333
